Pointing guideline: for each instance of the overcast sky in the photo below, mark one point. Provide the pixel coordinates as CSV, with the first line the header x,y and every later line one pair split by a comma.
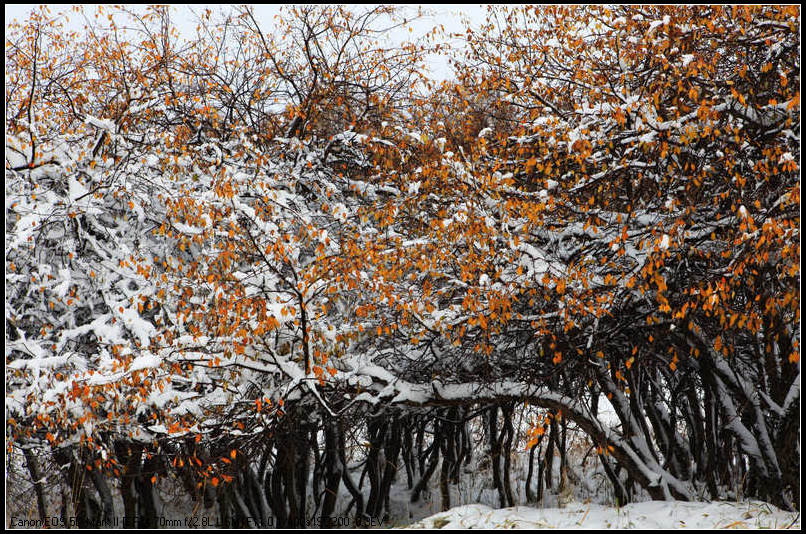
x,y
448,15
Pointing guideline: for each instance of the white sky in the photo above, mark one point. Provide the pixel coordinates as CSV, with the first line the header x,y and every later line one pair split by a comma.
x,y
448,15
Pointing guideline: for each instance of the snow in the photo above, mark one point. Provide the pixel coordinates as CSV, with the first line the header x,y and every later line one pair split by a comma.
x,y
26,227
187,229
62,289
340,212
644,515
786,156
75,189
146,361
743,212
16,151
656,23
102,124
793,395
139,327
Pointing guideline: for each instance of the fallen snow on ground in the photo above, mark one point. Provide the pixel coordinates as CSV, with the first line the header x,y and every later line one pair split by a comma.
x,y
653,514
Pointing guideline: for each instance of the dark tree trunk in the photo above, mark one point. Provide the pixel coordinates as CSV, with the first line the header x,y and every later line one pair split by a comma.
x,y
509,432
495,454
37,477
432,466
530,496
333,474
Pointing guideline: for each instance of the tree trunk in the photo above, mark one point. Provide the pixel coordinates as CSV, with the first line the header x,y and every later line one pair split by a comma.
x,y
37,477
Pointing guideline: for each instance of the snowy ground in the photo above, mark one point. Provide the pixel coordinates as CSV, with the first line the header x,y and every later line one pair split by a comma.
x,y
650,515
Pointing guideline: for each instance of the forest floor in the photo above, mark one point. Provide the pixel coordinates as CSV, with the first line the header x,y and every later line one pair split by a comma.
x,y
649,515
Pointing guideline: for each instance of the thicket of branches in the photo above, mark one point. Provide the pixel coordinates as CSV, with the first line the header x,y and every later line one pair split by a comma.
x,y
230,258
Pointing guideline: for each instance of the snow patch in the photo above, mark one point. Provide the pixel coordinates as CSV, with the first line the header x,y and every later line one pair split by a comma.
x,y
644,515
